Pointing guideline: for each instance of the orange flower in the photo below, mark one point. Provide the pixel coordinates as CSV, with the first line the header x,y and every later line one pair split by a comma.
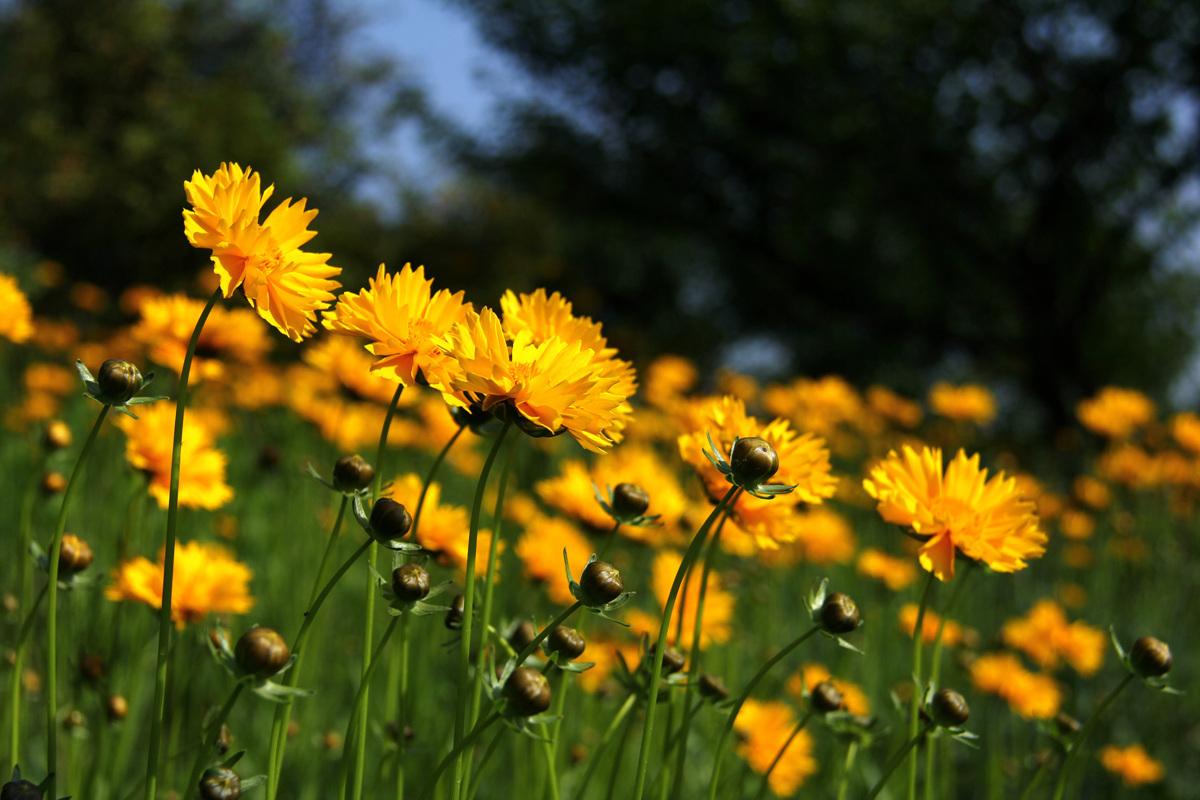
x,y
540,549
401,316
286,285
894,408
207,579
952,633
967,403
1046,637
718,603
1031,695
166,328
1185,427
1115,412
17,322
201,464
668,378
811,673
1133,764
987,520
764,729
897,573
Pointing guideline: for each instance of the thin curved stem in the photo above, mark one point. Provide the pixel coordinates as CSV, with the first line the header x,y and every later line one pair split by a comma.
x,y
210,741
727,731
464,653
897,759
456,751
914,705
358,709
402,708
25,582
164,614
669,607
52,609
844,783
473,789
283,712
766,778
14,688
1088,727
935,668
594,758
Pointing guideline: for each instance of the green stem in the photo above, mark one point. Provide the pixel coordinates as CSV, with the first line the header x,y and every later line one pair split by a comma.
x,y
727,731
914,705
1077,745
14,688
710,558
283,712
766,778
489,580
1036,779
164,614
935,669
844,783
464,653
656,672
52,610
473,789
604,548
594,758
358,710
25,582
211,740
437,462
456,751
548,752
402,708
898,759
360,741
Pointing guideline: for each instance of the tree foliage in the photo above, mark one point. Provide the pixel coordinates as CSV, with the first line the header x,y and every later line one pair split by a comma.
x,y
889,188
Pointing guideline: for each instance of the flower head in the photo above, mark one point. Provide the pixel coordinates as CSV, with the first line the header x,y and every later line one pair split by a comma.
x,y
1047,638
207,580
1115,412
988,521
201,464
967,403
765,728
401,315
716,625
228,335
1133,764
17,321
1031,695
810,674
540,550
286,285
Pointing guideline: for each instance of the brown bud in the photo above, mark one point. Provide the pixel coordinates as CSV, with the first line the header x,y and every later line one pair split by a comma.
x,y
673,661
220,783
261,652
1066,724
119,380
528,692
567,642
839,614
53,483
116,706
1150,657
352,473
713,688
949,709
410,583
91,667
389,520
224,739
454,617
522,635
75,556
826,698
57,435
73,720
600,584
20,790
752,461
629,501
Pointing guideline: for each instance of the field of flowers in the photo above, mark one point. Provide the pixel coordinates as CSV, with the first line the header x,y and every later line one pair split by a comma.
x,y
684,585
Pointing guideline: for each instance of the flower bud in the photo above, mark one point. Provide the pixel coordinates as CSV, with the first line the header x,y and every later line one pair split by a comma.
x,y
57,435
949,709
91,666
410,583
826,698
220,783
753,461
567,642
352,473
839,614
261,652
73,720
672,662
522,635
20,790
224,739
713,688
528,692
116,706
119,380
1150,657
629,501
74,557
389,520
600,584
1066,724
454,617
53,483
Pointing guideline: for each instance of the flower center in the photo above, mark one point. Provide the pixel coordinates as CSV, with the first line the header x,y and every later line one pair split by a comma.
x,y
952,513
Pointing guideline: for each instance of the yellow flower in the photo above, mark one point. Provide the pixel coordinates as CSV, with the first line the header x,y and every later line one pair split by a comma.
x,y
668,378
401,316
553,386
207,579
897,573
17,322
764,728
1091,492
854,700
1076,524
891,406
1185,427
540,549
1133,764
718,603
1115,412
987,520
820,405
952,633
286,285
1045,636
1030,695
201,464
1128,464
166,328
967,403
803,458
443,529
